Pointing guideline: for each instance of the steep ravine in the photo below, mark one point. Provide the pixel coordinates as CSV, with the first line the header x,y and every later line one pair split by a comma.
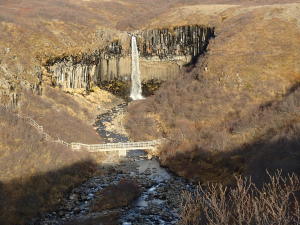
x,y
159,200
162,54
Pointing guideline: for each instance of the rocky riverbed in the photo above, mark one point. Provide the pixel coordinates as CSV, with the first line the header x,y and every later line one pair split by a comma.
x,y
160,191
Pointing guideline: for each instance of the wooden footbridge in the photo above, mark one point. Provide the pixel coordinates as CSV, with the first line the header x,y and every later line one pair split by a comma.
x,y
122,148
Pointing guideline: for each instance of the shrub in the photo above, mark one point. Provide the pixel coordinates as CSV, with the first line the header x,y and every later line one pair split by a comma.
x,y
244,204
115,196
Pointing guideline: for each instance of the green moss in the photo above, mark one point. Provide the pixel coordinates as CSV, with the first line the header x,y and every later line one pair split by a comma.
x,y
117,87
150,87
122,88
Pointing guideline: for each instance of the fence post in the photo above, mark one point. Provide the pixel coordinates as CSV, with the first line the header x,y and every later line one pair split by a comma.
x,y
122,153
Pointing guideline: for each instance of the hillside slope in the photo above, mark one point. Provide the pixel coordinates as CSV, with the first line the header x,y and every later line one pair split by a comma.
x,y
216,109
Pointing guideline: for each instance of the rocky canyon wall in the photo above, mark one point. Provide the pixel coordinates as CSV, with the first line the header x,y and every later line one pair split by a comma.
x,y
162,53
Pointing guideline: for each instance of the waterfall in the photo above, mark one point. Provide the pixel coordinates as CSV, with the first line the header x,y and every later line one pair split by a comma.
x,y
136,85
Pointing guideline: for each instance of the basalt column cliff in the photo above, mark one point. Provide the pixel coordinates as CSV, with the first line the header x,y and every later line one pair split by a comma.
x,y
162,53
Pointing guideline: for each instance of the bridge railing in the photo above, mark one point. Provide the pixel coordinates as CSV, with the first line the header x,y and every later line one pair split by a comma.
x,y
117,146
40,129
93,147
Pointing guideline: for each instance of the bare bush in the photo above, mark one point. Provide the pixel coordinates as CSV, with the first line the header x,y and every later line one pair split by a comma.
x,y
244,204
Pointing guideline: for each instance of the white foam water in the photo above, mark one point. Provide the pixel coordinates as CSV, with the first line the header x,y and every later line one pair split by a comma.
x,y
136,85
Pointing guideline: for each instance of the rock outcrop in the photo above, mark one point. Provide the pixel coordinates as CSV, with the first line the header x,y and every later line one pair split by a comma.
x,y
163,52
10,91
179,41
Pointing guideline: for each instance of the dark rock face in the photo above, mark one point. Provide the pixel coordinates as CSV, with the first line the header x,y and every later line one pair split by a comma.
x,y
179,41
162,53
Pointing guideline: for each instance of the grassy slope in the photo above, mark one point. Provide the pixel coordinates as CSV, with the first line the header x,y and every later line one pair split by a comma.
x,y
34,173
33,31
69,117
251,62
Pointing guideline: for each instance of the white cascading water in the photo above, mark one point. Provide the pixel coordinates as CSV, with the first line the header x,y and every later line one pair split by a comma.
x,y
136,85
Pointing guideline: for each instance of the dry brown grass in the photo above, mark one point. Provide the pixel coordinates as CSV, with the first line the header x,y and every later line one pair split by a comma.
x,y
275,203
247,141
232,111
62,116
34,174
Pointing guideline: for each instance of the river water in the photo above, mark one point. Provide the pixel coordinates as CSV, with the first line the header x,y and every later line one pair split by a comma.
x,y
160,198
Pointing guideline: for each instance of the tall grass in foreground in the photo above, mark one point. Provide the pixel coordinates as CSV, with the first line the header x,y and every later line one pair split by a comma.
x,y
275,203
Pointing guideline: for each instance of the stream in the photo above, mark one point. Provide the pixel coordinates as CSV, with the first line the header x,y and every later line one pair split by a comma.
x,y
160,198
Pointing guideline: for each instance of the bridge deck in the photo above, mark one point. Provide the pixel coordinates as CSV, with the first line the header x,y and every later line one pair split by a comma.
x,y
128,146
